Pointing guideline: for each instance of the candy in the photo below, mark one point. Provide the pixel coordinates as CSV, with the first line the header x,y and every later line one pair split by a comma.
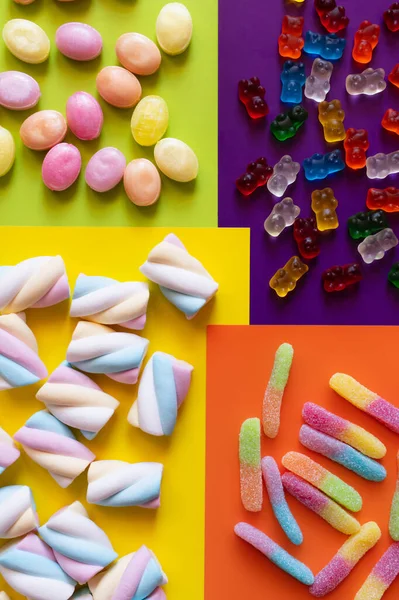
x,y
393,76
252,94
78,41
18,91
285,279
324,206
8,452
391,17
363,224
387,199
29,566
163,388
366,39
272,479
381,165
274,553
330,47
43,130
138,54
84,116
341,453
347,557
181,278
52,445
383,574
149,120
105,169
338,278
375,246
77,401
320,478
290,42
394,514
3,595
286,124
7,151
250,465
142,182
293,79
96,348
20,364
61,167
369,82
332,17
283,215
18,511
390,121
331,116
317,85
393,275
284,173
257,175
307,236
275,390
118,87
26,40
356,145
81,548
117,483
174,28
319,166
176,160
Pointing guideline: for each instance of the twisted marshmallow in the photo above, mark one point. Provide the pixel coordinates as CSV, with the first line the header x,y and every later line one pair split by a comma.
x,y
17,511
8,452
118,483
3,596
33,283
77,401
163,388
52,445
99,349
133,577
30,568
20,364
81,548
110,302
181,277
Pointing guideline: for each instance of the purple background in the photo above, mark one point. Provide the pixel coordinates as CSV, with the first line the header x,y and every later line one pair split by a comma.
x,y
248,34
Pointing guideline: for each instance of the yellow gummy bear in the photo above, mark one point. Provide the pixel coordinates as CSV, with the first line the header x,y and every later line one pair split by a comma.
x,y
285,280
323,205
331,116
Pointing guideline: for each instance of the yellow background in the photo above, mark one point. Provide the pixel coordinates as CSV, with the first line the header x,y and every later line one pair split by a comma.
x,y
176,531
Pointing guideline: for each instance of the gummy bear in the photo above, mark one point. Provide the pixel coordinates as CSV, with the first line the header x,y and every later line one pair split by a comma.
x,y
319,166
386,200
381,165
393,275
258,173
252,95
283,215
366,39
332,17
336,279
286,124
356,145
284,173
293,79
317,84
374,246
363,224
390,121
394,76
324,206
370,82
391,17
330,47
331,116
291,42
306,236
285,279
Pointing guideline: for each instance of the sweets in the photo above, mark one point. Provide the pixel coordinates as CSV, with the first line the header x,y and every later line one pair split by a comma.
x,y
149,120
328,46
138,54
366,39
317,85
364,224
7,151
284,173
293,79
43,130
324,206
61,167
252,94
26,40
356,145
283,215
250,465
174,28
84,116
386,199
142,182
319,166
369,82
331,116
176,160
257,175
105,169
383,574
275,390
394,514
307,236
8,452
381,165
375,246
17,511
290,41
285,279
78,41
18,91
338,278
286,124
118,87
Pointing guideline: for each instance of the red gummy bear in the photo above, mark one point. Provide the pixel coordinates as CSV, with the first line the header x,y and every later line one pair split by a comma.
x,y
252,95
338,278
366,39
356,145
258,173
290,42
386,200
390,121
391,17
306,236
332,17
393,76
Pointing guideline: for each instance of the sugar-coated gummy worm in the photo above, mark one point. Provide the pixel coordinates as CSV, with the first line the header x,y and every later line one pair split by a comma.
x,y
275,389
327,422
330,484
382,575
345,559
366,400
394,516
274,553
250,466
342,454
319,503
282,512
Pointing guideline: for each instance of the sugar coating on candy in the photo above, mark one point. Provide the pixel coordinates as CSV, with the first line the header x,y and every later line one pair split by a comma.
x,y
43,130
84,116
394,514
174,28
17,511
18,91
78,41
105,169
274,553
275,389
382,575
26,40
61,167
317,84
8,452
283,215
250,465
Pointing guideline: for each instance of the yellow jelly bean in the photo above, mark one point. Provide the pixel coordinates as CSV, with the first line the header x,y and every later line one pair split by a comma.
x,y
150,120
174,28
26,40
176,160
7,151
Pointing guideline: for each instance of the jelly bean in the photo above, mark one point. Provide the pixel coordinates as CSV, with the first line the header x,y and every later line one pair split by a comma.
x,y
43,130
142,182
7,151
84,116
18,91
138,54
150,120
105,169
24,2
174,28
78,41
61,167
176,160
26,40
118,87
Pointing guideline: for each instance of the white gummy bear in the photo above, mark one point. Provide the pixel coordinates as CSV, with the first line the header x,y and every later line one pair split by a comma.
x,y
381,165
374,246
369,82
283,215
318,83
284,173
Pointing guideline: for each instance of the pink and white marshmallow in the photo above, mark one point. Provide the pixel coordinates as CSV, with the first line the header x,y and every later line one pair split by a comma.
x,y
8,451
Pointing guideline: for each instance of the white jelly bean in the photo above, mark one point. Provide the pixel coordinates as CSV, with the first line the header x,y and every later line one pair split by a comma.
x,y
26,40
176,160
174,28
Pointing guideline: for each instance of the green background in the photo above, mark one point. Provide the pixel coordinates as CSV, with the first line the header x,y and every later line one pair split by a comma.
x,y
188,83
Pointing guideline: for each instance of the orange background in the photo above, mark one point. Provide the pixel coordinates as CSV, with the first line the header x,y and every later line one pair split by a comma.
x,y
239,364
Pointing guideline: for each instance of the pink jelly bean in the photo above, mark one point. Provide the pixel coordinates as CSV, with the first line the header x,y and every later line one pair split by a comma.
x,y
105,169
84,116
18,91
78,41
61,167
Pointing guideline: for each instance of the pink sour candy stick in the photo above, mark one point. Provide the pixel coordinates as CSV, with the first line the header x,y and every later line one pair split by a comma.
x,y
275,390
382,575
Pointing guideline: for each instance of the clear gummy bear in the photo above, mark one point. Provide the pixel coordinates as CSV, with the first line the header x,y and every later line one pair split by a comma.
x,y
283,215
